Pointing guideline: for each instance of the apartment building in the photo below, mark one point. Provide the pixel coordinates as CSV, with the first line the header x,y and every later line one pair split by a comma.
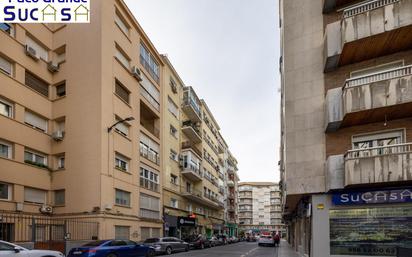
x,y
194,184
259,207
76,101
229,168
346,127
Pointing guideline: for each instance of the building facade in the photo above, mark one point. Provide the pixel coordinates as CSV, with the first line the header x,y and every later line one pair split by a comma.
x,y
194,187
346,107
259,207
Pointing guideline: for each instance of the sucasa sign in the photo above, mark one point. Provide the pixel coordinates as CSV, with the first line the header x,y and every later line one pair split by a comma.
x,y
45,11
373,197
186,222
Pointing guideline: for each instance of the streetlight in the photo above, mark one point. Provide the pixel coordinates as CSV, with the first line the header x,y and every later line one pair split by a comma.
x,y
120,121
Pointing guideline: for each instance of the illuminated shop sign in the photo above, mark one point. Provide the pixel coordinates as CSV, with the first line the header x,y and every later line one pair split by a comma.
x,y
373,197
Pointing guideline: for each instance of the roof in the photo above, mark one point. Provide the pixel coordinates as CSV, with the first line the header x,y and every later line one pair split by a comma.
x,y
257,184
172,68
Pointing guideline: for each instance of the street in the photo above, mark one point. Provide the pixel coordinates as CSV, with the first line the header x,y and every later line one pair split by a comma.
x,y
242,249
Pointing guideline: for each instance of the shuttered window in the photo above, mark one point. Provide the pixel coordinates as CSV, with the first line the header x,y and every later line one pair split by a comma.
x,y
37,84
33,195
122,58
149,207
35,121
6,66
145,233
121,232
121,23
122,92
122,127
122,197
150,88
172,107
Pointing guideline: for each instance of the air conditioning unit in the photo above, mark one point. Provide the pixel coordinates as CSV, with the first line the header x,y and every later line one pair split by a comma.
x,y
46,209
53,67
30,51
58,135
137,73
108,207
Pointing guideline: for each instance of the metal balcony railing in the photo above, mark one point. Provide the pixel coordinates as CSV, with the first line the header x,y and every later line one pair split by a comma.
x,y
191,124
153,157
378,76
378,151
366,7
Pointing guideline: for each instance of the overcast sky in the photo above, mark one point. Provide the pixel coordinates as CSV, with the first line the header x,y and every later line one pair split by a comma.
x,y
228,50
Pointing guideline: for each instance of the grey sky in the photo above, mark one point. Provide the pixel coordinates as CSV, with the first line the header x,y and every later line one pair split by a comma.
x,y
228,50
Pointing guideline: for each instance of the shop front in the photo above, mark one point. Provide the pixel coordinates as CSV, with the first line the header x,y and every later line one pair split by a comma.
x,y
364,222
231,229
187,226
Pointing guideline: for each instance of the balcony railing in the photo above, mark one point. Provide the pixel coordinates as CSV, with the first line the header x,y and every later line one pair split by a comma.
x,y
149,98
366,7
144,152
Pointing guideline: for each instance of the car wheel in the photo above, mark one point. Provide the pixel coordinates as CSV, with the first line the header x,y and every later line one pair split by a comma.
x,y
150,253
187,248
168,250
202,246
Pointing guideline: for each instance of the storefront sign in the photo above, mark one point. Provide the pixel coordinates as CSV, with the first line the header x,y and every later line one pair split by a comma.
x,y
373,197
370,231
186,222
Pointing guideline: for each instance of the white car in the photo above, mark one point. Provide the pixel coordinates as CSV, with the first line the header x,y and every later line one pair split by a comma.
x,y
266,240
11,250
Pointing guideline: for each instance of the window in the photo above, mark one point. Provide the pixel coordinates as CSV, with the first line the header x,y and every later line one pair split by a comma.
x,y
173,85
118,19
377,69
173,131
35,121
35,158
122,58
174,203
149,233
121,232
6,108
121,162
59,197
122,197
149,179
61,90
41,51
36,84
61,162
149,206
5,191
174,179
377,140
8,28
6,150
147,60
189,207
173,155
150,92
122,127
33,195
173,109
6,66
122,92
149,149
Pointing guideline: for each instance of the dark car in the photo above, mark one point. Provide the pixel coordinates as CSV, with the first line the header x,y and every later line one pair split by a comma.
x,y
112,248
223,239
167,245
198,242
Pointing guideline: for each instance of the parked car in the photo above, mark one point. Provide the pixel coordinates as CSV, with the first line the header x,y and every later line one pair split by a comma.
x,y
167,245
12,250
223,239
233,240
112,248
214,241
266,240
198,242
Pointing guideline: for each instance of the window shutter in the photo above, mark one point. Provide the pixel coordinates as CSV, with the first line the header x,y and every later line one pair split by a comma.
x,y
120,56
123,128
35,121
122,92
34,195
36,84
150,88
5,66
41,51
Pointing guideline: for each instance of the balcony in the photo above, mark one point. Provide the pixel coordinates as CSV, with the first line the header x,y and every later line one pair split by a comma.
x,y
231,196
152,101
187,145
370,98
197,196
331,5
191,105
375,165
192,173
245,195
368,30
230,183
192,131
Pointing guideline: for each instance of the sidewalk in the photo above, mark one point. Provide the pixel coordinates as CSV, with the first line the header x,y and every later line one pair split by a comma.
x,y
285,250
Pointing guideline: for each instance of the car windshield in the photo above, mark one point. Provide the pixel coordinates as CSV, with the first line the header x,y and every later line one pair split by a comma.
x,y
95,243
151,240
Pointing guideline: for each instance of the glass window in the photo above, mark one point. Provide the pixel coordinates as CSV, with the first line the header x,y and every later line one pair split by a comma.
x,y
33,195
149,179
173,109
35,121
8,28
149,149
59,197
149,206
5,191
6,66
147,60
61,90
174,203
61,162
121,23
174,179
173,155
173,131
121,162
6,108
122,127
6,150
35,158
379,141
122,197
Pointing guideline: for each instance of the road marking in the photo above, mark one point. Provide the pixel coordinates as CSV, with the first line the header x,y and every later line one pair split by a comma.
x,y
249,252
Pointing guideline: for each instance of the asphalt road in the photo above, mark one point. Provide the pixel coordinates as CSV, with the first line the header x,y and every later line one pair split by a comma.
x,y
242,249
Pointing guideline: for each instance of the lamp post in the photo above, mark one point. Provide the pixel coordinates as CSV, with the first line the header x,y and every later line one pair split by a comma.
x,y
118,122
